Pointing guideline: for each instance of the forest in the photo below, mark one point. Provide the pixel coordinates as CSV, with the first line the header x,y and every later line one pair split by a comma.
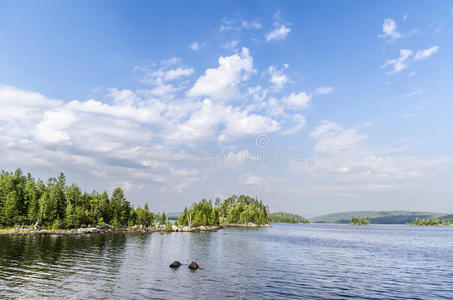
x,y
283,217
430,221
233,210
359,221
26,201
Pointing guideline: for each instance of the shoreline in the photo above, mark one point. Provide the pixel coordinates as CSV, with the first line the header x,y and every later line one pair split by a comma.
x,y
135,229
97,230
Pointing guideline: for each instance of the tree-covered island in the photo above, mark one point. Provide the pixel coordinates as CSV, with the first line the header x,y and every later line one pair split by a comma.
x,y
36,206
430,222
359,221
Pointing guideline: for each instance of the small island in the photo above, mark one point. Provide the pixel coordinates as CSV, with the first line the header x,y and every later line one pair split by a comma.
x,y
430,222
359,221
283,217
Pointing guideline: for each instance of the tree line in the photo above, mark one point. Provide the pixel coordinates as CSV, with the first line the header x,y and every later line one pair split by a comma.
x,y
26,201
359,221
283,217
430,221
53,204
233,210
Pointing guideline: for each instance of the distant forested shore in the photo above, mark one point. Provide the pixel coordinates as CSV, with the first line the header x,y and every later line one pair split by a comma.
x,y
382,217
283,217
32,204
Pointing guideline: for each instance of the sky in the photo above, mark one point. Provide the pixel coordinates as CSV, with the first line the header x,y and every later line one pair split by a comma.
x,y
312,106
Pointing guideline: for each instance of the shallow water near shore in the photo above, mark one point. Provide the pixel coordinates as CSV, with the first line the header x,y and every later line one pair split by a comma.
x,y
284,261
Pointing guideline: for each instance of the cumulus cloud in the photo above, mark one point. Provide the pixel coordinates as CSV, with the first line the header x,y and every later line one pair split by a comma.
x,y
179,72
279,33
221,83
297,100
341,154
250,179
389,29
423,54
299,122
278,79
161,76
400,63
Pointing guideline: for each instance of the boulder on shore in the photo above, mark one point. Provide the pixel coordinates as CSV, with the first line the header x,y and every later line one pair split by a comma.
x,y
174,228
202,228
186,229
193,266
176,264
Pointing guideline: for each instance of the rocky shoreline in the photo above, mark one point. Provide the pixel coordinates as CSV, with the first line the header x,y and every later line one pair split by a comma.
x,y
135,229
104,230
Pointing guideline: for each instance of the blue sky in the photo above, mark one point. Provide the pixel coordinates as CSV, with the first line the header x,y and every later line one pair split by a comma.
x,y
313,106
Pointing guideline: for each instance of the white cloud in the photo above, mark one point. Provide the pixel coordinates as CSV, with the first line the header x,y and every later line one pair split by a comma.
x,y
221,83
299,123
341,155
278,78
195,46
415,92
399,63
250,179
232,44
333,139
52,127
161,76
423,54
279,33
325,90
179,72
238,25
239,124
255,24
297,100
389,29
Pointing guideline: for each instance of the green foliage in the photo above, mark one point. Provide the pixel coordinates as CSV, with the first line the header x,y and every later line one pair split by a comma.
x,y
378,217
282,217
163,219
234,210
54,204
359,221
430,221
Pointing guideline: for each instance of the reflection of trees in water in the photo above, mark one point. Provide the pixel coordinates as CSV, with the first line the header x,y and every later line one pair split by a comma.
x,y
61,258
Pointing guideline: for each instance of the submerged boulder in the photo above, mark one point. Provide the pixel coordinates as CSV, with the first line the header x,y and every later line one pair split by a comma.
x,y
193,266
176,264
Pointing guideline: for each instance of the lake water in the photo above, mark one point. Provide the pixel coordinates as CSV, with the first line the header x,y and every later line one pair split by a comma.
x,y
284,261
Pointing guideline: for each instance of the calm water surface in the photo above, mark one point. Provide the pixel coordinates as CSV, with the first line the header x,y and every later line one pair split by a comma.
x,y
285,261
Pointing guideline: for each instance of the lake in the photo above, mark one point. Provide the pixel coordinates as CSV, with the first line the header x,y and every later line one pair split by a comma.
x,y
284,261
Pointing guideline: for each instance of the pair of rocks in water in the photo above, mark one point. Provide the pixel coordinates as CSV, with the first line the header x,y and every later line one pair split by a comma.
x,y
176,264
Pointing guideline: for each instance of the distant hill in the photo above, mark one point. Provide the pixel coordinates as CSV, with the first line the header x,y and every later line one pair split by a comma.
x,y
283,217
380,217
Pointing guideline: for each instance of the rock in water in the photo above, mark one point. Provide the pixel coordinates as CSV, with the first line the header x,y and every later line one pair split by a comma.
x,y
175,264
193,266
